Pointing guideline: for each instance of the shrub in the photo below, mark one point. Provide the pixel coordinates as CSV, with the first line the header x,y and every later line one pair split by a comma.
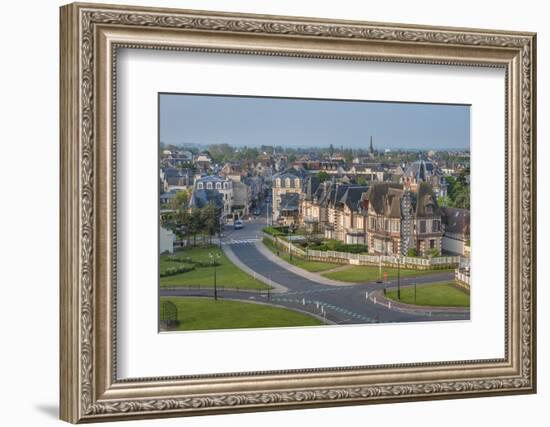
x,y
172,271
335,245
274,231
433,253
412,252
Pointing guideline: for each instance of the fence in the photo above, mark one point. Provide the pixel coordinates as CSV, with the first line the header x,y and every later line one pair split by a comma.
x,y
168,314
363,259
462,279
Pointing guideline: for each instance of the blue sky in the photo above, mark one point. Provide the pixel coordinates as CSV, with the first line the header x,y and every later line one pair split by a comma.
x,y
253,121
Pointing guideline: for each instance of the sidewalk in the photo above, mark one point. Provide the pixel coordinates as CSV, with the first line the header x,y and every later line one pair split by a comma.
x,y
314,277
378,297
277,287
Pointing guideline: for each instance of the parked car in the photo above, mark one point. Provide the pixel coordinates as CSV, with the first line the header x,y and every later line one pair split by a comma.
x,y
256,212
238,224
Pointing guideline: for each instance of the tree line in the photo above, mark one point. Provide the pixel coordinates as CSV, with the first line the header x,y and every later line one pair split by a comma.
x,y
190,222
458,191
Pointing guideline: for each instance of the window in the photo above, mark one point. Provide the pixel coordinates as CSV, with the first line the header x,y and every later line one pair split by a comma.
x,y
422,226
209,185
297,183
219,185
287,182
432,243
278,182
429,209
226,185
435,225
200,186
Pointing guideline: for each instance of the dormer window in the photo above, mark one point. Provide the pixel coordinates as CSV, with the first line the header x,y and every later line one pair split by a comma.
x,y
218,185
209,185
200,186
287,182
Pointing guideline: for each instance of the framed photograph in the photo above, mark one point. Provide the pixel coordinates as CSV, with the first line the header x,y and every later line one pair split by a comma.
x,y
266,212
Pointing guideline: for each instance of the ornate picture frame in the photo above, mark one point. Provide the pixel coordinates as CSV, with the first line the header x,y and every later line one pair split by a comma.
x,y
90,37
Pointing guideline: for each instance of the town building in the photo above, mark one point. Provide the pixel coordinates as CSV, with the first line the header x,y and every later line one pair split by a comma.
x,y
224,186
425,171
400,219
166,241
456,226
288,181
345,220
203,163
289,209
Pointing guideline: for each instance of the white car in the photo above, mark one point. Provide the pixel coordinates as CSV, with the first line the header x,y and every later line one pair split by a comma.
x,y
238,224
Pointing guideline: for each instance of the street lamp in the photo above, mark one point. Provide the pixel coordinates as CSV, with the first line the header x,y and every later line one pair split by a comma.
x,y
289,244
213,259
399,277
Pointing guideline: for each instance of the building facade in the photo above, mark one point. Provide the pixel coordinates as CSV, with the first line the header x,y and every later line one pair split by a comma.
x,y
224,186
289,181
425,171
399,219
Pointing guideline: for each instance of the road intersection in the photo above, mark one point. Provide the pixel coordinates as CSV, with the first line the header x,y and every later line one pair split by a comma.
x,y
340,303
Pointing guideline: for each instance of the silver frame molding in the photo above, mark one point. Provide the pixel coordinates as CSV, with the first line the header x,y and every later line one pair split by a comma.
x,y
90,37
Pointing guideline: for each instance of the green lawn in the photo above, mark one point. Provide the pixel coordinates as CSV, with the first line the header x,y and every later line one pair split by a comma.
x,y
443,294
202,313
313,266
228,275
368,273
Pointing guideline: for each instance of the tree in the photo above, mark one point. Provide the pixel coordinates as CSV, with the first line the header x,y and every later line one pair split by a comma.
x,y
181,200
195,223
361,180
211,219
221,153
184,220
462,199
323,176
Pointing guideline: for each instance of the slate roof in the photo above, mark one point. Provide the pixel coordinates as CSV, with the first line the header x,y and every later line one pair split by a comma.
x,y
421,169
385,198
292,174
311,187
212,178
200,198
456,220
289,202
425,199
353,195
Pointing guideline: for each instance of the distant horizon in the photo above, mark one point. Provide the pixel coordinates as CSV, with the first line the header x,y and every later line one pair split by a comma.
x,y
242,121
199,145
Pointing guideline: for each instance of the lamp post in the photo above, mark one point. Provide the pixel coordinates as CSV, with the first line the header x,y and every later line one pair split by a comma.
x,y
399,277
213,259
289,245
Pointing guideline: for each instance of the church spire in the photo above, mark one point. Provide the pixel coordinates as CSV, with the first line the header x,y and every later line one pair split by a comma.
x,y
371,147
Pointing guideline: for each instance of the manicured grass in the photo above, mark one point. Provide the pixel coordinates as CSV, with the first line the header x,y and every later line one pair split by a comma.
x,y
443,294
312,266
228,275
368,273
202,313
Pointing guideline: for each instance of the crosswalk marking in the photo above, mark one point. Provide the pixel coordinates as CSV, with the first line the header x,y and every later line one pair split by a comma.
x,y
240,242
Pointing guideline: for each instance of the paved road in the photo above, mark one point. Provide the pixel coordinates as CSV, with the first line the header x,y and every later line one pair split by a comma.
x,y
338,304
